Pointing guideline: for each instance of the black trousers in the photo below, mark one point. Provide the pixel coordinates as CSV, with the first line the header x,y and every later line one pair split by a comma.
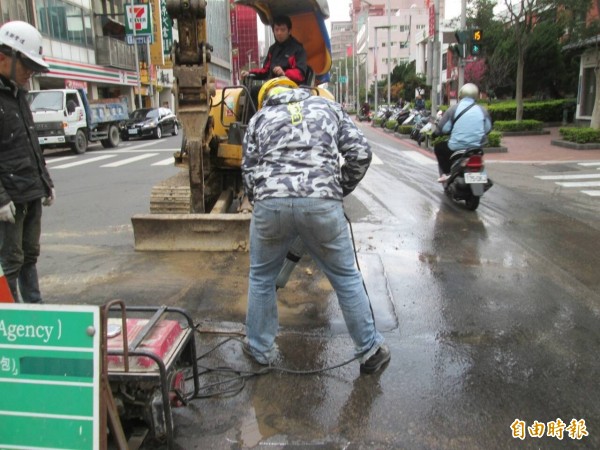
x,y
443,154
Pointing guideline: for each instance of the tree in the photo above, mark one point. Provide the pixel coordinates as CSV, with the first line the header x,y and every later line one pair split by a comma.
x,y
404,74
522,16
544,60
475,72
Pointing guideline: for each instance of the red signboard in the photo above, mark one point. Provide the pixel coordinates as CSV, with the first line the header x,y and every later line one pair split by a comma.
x,y
431,20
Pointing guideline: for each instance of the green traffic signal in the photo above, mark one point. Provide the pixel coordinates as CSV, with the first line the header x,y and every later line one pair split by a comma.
x,y
476,36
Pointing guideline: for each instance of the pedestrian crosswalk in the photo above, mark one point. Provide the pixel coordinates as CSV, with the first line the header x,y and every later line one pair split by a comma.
x,y
582,181
113,159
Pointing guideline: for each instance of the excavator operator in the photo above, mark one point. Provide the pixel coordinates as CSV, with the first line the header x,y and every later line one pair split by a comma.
x,y
286,57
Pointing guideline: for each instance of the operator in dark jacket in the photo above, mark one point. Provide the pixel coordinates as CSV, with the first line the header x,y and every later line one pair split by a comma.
x,y
286,57
25,183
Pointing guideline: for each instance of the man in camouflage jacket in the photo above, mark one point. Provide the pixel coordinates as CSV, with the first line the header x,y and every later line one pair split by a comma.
x,y
296,180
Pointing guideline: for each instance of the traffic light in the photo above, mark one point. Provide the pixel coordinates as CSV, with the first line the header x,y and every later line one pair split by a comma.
x,y
462,37
458,50
476,36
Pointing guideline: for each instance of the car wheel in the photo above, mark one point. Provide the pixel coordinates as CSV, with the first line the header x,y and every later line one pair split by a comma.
x,y
175,130
158,132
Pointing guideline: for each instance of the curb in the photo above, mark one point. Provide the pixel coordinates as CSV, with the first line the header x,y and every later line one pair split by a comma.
x,y
575,145
523,133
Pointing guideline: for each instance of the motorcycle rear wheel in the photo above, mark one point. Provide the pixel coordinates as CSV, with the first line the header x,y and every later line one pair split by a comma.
x,y
472,203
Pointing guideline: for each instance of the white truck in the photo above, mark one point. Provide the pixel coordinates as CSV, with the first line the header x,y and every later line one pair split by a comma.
x,y
65,118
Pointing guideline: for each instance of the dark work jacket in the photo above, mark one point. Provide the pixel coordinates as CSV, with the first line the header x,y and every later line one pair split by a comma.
x,y
23,173
290,55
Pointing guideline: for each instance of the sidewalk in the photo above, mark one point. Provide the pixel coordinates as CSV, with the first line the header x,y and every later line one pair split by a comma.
x,y
523,149
539,148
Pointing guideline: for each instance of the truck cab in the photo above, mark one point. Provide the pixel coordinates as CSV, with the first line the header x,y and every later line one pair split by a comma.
x,y
65,118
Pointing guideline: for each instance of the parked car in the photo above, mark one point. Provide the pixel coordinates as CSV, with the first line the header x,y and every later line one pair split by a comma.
x,y
153,122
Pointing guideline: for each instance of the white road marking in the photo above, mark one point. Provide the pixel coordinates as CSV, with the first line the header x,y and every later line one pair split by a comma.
x,y
576,184
419,158
59,159
375,160
590,164
569,177
130,160
165,162
84,161
414,155
592,193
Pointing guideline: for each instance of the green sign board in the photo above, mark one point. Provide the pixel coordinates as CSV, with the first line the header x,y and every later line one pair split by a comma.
x,y
167,28
49,376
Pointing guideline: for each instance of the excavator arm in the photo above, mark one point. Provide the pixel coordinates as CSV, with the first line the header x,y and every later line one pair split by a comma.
x,y
194,88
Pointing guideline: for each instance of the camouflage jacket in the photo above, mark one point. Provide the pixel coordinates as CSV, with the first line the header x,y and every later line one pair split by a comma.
x,y
292,148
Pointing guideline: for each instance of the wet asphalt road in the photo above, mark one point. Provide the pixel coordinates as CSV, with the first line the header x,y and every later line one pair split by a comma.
x,y
491,316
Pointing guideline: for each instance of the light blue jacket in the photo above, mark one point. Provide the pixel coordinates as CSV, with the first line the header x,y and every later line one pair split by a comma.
x,y
470,130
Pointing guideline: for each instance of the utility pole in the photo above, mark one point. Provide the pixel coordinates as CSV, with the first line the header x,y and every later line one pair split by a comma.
x,y
435,78
137,61
375,70
463,26
347,80
389,51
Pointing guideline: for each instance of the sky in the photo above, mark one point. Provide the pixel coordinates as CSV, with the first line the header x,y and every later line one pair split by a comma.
x,y
339,9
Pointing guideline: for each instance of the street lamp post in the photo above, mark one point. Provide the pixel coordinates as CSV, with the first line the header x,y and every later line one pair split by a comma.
x,y
366,27
388,63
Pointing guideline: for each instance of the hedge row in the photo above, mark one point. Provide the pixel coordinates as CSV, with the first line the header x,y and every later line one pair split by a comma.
x,y
546,111
580,135
513,125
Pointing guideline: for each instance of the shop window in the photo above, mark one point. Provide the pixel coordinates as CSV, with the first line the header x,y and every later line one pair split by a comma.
x,y
64,22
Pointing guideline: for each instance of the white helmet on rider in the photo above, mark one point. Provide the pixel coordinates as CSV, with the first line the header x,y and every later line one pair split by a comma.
x,y
469,90
25,41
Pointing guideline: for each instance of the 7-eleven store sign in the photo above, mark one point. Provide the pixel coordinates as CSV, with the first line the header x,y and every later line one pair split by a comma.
x,y
138,16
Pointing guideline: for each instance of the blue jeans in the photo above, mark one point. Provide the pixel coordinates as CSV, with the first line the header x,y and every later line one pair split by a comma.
x,y
320,223
19,250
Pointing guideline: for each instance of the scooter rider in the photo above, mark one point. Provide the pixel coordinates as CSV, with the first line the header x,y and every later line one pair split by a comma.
x,y
468,125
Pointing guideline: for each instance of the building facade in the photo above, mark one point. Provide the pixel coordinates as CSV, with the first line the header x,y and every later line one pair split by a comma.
x,y
87,46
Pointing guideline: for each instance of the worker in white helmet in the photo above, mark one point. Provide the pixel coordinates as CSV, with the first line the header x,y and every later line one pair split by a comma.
x,y
25,184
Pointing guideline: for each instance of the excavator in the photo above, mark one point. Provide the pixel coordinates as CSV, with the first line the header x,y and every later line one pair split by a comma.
x,y
203,207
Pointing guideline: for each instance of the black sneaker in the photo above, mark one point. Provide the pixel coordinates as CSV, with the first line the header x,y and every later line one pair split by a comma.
x,y
377,361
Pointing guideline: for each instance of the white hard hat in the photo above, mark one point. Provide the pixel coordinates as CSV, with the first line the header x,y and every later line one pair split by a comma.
x,y
27,40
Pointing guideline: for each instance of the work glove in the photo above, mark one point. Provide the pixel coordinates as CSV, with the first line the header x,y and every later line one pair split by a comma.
x,y
49,200
7,212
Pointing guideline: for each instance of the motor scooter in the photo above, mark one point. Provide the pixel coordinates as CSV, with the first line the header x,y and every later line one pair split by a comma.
x,y
363,115
468,179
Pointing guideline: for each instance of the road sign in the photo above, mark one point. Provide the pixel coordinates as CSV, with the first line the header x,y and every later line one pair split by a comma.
x,y
49,376
139,39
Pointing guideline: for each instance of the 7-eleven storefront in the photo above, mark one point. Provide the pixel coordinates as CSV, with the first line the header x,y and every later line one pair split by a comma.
x,y
98,81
